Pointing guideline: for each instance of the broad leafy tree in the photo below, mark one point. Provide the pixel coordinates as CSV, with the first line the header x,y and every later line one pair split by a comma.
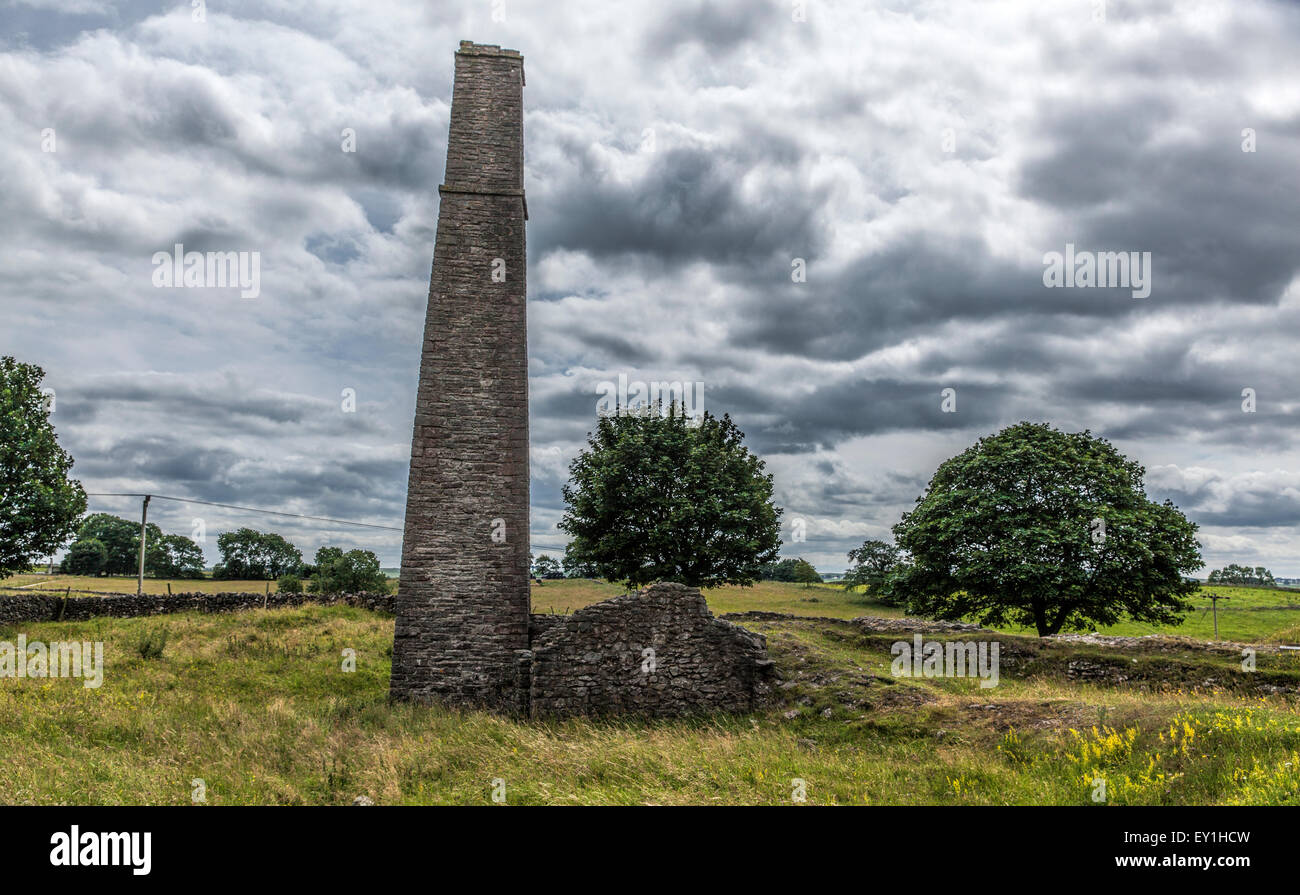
x,y
39,505
165,556
1046,529
577,566
546,568
354,572
795,570
87,556
658,497
120,538
873,563
806,573
250,554
174,556
781,570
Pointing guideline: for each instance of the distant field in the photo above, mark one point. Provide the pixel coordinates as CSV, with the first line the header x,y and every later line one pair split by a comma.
x,y
548,596
127,585
22,580
1249,614
257,705
768,596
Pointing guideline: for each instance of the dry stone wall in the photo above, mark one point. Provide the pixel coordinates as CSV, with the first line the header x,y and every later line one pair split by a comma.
x,y
18,608
656,653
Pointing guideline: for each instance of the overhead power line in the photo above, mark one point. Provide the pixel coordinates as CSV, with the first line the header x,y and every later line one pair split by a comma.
x,y
231,506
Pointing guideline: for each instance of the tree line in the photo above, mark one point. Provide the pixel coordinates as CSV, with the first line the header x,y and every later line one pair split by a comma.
x,y
110,545
1242,575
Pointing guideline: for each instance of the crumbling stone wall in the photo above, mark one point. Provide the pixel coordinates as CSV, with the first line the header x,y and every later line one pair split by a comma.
x,y
591,662
18,608
595,661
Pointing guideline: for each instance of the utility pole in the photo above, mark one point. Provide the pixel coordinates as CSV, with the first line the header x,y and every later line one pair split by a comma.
x,y
1214,603
144,517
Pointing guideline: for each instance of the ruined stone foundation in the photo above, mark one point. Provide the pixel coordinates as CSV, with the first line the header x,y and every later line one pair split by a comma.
x,y
657,653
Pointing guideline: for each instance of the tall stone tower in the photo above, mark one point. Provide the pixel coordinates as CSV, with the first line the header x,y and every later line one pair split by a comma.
x,y
462,611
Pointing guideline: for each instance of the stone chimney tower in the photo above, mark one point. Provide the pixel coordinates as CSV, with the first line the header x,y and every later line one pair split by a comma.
x,y
462,612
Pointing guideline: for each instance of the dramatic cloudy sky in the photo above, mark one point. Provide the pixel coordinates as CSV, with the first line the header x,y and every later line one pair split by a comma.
x,y
921,157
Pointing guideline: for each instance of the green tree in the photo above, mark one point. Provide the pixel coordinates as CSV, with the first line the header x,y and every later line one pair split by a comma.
x,y
658,498
782,570
165,556
85,557
1042,528
288,584
873,563
354,572
120,537
546,567
173,556
1242,575
805,573
577,566
796,570
39,505
250,554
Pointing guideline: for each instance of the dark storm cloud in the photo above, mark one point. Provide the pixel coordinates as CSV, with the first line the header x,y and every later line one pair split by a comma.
x,y
1217,220
1258,501
174,396
837,491
340,486
1227,431
828,414
565,407
686,207
614,345
161,457
712,27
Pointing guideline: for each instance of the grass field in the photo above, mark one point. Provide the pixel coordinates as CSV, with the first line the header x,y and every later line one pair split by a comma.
x,y
1249,614
547,596
257,706
128,585
768,596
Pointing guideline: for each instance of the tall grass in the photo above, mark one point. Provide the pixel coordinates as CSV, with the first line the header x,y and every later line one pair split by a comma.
x,y
257,706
